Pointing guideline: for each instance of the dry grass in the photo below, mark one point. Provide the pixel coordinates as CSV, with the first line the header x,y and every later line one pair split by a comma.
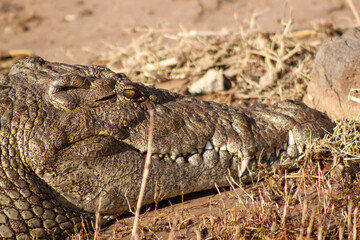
x,y
316,202
262,67
319,201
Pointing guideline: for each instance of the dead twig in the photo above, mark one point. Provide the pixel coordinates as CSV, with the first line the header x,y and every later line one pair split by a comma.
x,y
145,176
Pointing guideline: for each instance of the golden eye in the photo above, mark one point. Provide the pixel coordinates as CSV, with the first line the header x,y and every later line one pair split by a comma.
x,y
132,94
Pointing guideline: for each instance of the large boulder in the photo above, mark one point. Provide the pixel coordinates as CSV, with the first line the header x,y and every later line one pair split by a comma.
x,y
335,84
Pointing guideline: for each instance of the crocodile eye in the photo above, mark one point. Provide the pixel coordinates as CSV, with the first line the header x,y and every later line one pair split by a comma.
x,y
132,94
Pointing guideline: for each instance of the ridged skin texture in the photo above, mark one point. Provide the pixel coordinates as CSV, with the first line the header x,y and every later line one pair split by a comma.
x,y
73,134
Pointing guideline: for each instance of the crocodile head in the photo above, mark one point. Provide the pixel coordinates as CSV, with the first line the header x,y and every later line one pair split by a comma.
x,y
85,132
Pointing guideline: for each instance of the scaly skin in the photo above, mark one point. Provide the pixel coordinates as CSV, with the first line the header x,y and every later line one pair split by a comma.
x,y
70,134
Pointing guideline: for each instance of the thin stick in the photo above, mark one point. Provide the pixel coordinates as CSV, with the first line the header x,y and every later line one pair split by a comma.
x,y
303,218
309,230
97,220
350,206
354,11
354,235
145,176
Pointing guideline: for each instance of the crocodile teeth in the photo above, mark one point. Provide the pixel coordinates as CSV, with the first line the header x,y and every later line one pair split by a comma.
x,y
285,145
300,149
291,138
180,160
208,146
161,155
173,157
277,152
223,148
217,148
244,164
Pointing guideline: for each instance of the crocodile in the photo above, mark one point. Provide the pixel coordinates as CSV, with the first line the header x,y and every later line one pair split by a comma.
x,y
75,136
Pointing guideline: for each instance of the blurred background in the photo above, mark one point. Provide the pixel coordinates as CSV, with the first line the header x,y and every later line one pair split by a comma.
x,y
78,31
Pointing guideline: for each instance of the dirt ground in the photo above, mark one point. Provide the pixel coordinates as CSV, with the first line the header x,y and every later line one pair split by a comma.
x,y
79,32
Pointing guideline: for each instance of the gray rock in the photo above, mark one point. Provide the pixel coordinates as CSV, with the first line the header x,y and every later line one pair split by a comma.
x,y
335,83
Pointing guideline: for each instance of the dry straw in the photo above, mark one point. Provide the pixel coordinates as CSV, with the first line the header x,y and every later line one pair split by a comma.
x,y
314,202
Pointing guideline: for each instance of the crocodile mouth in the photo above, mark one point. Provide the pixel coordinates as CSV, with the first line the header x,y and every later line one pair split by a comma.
x,y
97,147
210,155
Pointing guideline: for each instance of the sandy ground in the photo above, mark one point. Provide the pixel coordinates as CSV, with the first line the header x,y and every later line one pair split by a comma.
x,y
78,31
